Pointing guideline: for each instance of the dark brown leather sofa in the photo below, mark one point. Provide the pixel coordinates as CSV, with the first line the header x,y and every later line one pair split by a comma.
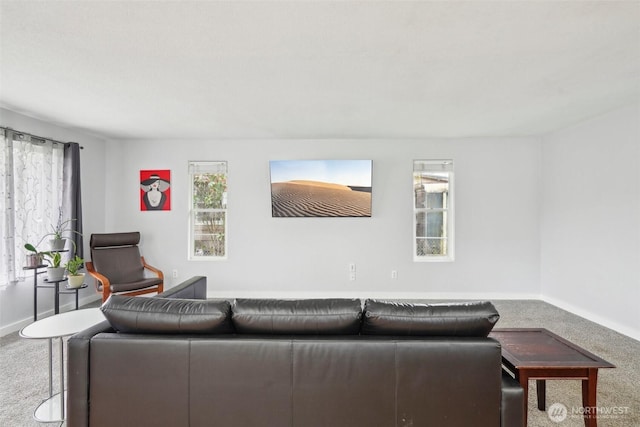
x,y
181,360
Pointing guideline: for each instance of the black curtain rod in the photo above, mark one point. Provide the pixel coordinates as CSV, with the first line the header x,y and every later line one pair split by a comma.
x,y
17,132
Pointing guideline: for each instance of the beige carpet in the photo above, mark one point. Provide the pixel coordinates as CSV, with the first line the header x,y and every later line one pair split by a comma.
x,y
24,370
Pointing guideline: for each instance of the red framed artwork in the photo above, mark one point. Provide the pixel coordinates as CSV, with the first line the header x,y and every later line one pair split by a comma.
x,y
155,190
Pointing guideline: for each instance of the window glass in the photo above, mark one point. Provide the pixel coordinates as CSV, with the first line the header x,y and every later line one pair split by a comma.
x,y
433,210
208,212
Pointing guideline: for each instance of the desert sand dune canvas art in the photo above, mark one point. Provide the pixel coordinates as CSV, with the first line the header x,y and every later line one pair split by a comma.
x,y
321,188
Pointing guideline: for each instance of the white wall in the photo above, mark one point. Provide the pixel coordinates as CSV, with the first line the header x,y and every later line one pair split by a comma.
x,y
497,233
557,216
590,220
16,301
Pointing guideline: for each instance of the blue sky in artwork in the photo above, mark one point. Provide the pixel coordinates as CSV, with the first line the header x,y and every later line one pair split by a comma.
x,y
345,172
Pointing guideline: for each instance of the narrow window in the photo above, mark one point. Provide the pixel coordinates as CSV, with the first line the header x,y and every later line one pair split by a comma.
x,y
433,210
208,210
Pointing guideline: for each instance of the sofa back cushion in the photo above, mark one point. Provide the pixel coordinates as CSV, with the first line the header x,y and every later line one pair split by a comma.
x,y
473,319
303,317
168,315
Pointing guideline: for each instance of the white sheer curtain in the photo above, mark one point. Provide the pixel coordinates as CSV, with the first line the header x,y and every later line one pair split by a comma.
x,y
30,197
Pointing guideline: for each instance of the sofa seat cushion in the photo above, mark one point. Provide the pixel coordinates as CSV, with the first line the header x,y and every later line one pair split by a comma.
x,y
168,315
473,319
301,317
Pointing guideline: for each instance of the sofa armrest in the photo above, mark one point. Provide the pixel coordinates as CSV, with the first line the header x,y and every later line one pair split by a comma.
x,y
194,288
78,374
512,405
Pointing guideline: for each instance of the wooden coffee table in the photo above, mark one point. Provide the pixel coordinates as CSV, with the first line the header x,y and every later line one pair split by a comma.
x,y
542,355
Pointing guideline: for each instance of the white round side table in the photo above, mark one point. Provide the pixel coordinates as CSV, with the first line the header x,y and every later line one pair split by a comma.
x,y
58,326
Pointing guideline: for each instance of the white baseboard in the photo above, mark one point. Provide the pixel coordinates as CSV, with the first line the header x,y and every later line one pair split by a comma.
x,y
16,326
375,295
594,317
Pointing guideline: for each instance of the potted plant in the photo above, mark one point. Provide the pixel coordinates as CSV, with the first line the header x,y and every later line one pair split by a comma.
x,y
58,240
35,259
72,266
57,232
55,271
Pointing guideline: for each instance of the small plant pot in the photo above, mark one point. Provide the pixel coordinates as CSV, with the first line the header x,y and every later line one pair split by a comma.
x,y
76,280
34,260
55,274
57,244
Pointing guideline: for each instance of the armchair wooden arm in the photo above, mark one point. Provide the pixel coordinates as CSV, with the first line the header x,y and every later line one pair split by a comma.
x,y
158,272
103,286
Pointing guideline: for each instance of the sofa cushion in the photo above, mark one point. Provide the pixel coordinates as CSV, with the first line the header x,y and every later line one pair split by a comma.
x,y
309,316
473,319
168,315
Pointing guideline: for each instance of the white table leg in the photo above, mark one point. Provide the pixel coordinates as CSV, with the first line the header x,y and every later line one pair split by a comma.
x,y
50,367
58,326
62,408
53,409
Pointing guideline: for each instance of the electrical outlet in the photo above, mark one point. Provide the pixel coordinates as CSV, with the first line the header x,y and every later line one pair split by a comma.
x,y
175,273
352,276
394,274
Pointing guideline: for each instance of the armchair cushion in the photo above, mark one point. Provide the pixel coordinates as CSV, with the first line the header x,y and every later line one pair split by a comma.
x,y
310,317
168,315
138,284
119,265
473,319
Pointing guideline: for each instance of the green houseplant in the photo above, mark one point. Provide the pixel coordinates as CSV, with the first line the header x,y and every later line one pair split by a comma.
x,y
58,231
76,279
34,259
58,240
55,270
53,258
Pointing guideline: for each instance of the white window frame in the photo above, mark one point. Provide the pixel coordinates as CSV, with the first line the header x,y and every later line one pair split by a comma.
x,y
199,167
445,167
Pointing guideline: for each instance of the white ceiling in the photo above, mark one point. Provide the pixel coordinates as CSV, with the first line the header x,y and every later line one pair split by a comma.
x,y
318,69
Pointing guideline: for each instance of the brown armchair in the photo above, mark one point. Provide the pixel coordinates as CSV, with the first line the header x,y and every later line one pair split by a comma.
x,y
118,268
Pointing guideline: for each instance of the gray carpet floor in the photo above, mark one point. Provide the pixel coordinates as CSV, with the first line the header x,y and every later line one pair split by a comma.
x,y
24,369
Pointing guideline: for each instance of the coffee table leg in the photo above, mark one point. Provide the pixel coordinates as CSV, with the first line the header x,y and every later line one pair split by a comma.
x,y
523,379
541,391
589,398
